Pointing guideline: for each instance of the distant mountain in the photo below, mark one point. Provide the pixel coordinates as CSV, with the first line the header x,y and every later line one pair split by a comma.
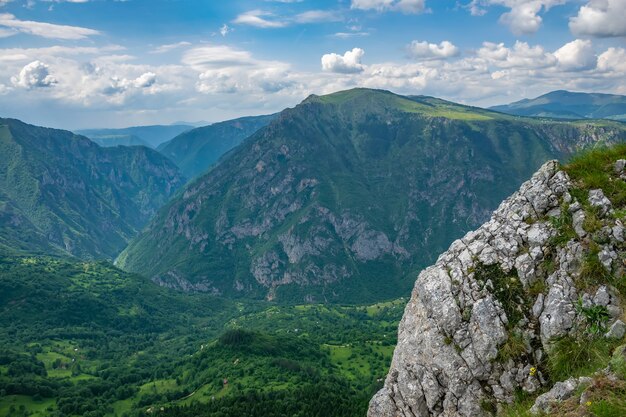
x,y
119,140
345,197
152,136
196,150
568,105
62,194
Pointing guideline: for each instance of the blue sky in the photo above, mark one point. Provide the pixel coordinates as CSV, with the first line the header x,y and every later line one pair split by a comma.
x,y
106,63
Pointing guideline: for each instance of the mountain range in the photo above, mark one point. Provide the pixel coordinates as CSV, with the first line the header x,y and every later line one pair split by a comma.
x,y
62,194
151,136
346,196
569,105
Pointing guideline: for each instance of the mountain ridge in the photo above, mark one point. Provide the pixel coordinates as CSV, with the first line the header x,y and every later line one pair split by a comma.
x,y
569,105
343,190
194,151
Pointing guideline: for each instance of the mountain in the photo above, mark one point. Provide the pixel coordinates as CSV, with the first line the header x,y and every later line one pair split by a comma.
x,y
527,311
119,140
345,197
153,136
569,105
196,150
62,194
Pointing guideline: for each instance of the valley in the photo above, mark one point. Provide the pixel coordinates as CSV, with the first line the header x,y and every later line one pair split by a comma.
x,y
259,266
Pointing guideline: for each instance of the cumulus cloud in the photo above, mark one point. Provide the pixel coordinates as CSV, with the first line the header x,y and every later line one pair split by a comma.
x,y
34,75
403,6
92,81
613,59
601,18
46,30
523,16
348,63
425,50
576,55
521,55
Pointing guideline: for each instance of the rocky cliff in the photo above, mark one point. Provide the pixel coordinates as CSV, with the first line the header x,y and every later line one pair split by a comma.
x,y
514,306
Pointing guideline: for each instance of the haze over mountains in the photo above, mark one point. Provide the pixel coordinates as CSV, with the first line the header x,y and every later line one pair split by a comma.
x,y
346,196
570,105
151,136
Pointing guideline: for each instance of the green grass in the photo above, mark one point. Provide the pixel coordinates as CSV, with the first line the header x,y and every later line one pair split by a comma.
x,y
592,272
594,169
573,357
507,289
513,348
35,408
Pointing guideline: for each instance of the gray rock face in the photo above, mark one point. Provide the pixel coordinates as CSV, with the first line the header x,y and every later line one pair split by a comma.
x,y
598,199
561,391
617,330
447,361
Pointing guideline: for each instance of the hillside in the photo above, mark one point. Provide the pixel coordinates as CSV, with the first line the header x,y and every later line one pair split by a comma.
x,y
570,105
63,194
152,136
84,338
345,197
525,315
196,150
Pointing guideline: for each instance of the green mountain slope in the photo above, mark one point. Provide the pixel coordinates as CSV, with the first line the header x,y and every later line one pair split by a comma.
x,y
63,194
196,150
345,197
153,136
570,105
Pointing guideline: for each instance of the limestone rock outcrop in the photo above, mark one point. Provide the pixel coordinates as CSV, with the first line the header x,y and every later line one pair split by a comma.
x,y
481,319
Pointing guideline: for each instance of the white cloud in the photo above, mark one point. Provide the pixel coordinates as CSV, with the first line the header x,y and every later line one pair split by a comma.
x,y
576,55
225,70
403,6
601,18
33,75
169,47
521,55
45,30
425,50
267,20
613,59
523,16
318,16
347,35
216,56
104,85
225,29
260,19
145,80
348,63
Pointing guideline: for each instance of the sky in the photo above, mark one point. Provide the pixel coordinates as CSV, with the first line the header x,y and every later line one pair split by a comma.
x,y
113,63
